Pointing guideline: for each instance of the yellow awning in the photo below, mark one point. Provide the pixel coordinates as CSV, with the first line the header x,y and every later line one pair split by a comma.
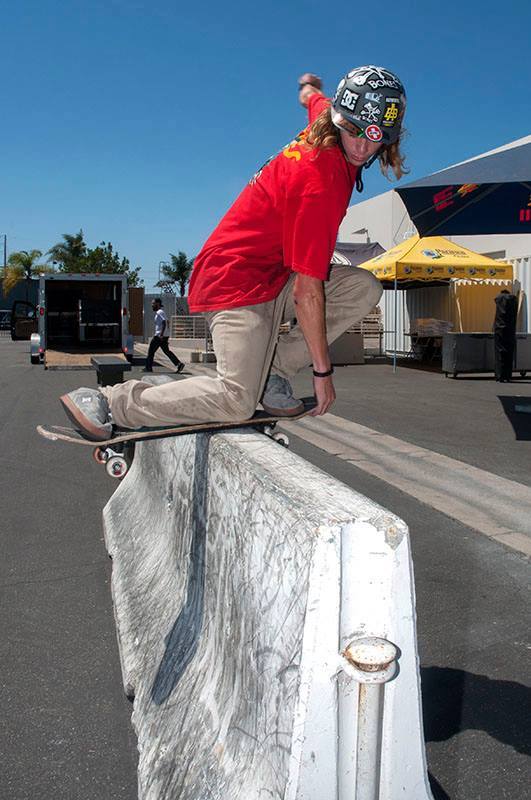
x,y
435,258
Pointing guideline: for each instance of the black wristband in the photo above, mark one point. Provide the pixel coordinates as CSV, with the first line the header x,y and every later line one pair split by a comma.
x,y
323,374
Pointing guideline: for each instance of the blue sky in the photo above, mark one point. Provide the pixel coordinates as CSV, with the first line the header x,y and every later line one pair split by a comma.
x,y
140,122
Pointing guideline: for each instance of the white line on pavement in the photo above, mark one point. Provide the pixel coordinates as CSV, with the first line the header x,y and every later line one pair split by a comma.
x,y
492,505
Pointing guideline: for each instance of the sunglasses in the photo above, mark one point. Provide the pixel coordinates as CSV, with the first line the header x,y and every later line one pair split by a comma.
x,y
344,125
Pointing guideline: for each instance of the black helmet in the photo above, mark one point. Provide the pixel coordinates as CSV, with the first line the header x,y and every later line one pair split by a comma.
x,y
374,100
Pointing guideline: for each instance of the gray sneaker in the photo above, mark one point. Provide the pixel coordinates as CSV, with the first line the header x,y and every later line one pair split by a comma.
x,y
89,411
278,399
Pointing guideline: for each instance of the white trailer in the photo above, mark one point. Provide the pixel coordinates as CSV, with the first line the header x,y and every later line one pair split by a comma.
x,y
79,314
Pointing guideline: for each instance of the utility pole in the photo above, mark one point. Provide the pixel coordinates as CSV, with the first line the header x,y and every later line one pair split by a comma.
x,y
161,265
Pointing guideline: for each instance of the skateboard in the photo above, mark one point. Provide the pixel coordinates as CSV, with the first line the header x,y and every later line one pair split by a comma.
x,y
116,453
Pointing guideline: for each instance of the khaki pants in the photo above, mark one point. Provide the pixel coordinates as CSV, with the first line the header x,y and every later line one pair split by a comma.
x,y
247,346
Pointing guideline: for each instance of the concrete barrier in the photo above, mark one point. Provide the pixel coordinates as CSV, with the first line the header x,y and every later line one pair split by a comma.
x,y
243,580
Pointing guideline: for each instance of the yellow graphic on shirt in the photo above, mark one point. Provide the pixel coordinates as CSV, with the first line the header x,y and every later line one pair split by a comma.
x,y
286,151
290,152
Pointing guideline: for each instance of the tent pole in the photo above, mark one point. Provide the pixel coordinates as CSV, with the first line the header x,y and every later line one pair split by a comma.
x,y
396,327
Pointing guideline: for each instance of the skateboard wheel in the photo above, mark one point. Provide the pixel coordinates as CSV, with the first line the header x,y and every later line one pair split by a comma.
x,y
99,455
116,466
268,429
281,438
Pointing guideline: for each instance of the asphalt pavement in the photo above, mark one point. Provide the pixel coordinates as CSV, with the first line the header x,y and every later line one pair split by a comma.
x,y
66,723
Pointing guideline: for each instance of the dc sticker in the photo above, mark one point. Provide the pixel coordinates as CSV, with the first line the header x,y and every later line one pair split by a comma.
x,y
374,133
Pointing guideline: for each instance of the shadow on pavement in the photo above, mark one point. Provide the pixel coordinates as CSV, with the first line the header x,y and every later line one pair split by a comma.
x,y
436,789
463,376
454,701
520,421
414,363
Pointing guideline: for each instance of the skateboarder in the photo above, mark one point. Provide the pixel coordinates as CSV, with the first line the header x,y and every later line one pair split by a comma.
x,y
161,339
268,261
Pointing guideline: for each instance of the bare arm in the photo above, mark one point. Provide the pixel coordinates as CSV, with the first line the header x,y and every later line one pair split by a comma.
x,y
309,298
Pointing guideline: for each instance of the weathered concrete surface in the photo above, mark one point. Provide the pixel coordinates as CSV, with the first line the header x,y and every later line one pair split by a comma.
x,y
239,574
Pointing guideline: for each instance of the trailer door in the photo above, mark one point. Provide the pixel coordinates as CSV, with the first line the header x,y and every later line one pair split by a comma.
x,y
136,310
23,320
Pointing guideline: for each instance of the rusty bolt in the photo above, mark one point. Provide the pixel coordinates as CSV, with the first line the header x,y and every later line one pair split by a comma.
x,y
370,654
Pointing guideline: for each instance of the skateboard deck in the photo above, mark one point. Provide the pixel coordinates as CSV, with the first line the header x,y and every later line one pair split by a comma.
x,y
260,419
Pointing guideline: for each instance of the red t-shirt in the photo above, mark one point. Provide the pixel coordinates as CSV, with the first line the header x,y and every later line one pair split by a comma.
x,y
285,219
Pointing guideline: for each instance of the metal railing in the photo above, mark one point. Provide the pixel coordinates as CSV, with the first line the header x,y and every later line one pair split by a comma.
x,y
191,327
188,327
371,328
196,327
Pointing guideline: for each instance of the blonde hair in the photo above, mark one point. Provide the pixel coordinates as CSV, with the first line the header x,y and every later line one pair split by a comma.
x,y
322,133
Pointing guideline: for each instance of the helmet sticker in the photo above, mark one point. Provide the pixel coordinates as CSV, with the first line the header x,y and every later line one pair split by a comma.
x,y
349,100
374,96
370,113
391,114
374,133
342,82
380,77
381,82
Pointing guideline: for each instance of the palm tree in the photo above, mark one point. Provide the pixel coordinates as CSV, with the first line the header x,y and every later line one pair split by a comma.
x,y
177,273
22,266
69,254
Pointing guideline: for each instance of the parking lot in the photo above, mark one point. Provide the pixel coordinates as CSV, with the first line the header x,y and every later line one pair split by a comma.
x,y
67,731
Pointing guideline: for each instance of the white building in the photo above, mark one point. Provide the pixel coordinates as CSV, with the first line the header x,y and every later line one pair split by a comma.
x,y
384,219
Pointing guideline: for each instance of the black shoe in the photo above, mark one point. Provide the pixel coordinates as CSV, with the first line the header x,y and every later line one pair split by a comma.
x,y
180,367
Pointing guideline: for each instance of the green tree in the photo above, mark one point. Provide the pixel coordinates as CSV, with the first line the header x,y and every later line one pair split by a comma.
x,y
104,259
73,255
70,254
22,265
177,273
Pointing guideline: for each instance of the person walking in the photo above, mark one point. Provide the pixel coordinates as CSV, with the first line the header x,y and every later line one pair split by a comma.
x,y
269,260
505,335
161,339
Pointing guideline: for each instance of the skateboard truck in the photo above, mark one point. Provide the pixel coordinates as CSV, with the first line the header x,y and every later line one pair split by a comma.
x,y
114,461
277,436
